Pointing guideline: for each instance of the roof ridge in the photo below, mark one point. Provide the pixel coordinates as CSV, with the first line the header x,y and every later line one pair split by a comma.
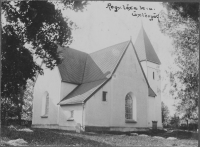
x,y
107,47
145,47
144,43
84,69
95,80
120,58
78,87
141,67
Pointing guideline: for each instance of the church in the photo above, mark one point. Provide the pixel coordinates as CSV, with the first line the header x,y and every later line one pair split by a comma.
x,y
114,89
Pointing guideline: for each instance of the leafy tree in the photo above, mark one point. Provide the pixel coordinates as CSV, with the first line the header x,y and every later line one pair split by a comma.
x,y
39,24
175,121
165,114
28,98
181,24
185,9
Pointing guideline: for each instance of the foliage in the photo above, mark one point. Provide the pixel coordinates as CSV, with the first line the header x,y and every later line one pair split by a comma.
x,y
182,26
175,121
165,114
186,10
28,98
39,25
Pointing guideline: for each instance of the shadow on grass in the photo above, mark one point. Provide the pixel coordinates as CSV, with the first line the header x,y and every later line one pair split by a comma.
x,y
47,137
179,134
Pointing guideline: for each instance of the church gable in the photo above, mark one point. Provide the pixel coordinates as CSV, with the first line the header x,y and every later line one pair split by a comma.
x,y
129,84
98,69
130,67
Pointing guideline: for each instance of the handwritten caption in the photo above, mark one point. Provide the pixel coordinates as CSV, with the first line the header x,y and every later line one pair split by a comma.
x,y
134,11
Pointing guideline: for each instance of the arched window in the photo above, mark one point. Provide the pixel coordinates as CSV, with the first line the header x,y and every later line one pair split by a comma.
x,y
129,107
47,104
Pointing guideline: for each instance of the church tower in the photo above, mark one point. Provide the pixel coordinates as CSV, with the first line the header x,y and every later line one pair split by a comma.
x,y
151,66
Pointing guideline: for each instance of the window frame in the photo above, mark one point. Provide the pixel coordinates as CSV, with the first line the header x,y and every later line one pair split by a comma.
x,y
128,107
104,96
153,75
71,118
131,108
45,106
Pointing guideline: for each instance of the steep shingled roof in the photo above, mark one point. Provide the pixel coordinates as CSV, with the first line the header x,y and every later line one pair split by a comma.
x,y
98,68
78,67
145,49
95,70
82,92
102,63
73,65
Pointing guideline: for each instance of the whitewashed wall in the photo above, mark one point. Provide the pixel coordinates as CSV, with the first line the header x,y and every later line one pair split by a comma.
x,y
127,78
66,88
65,114
98,112
156,86
49,82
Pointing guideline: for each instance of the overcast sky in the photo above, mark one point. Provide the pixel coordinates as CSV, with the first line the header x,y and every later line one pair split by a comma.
x,y
100,27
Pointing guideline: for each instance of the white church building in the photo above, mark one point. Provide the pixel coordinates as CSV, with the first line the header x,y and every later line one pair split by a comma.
x,y
113,89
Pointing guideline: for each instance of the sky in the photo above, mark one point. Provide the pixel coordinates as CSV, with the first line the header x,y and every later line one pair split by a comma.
x,y
99,26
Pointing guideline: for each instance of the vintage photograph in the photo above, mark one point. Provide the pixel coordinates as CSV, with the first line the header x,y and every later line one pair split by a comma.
x,y
99,73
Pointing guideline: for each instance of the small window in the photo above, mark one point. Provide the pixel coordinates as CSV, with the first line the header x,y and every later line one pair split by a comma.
x,y
72,114
71,118
153,75
104,96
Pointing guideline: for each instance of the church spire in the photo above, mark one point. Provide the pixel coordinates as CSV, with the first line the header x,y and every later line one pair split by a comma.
x,y
144,48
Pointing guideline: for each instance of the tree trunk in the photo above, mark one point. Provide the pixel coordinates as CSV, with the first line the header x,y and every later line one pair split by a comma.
x,y
20,104
19,118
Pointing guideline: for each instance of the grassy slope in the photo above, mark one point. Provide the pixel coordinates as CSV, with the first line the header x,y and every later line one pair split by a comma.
x,y
46,137
61,138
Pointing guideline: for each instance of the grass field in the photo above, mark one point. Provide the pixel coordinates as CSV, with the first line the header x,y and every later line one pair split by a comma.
x,y
67,138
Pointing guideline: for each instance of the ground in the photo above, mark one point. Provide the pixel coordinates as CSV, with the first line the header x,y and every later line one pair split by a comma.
x,y
67,138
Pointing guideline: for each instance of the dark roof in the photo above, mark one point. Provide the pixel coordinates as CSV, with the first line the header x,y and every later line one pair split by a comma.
x,y
151,92
102,63
98,68
82,92
78,67
145,49
94,70
73,65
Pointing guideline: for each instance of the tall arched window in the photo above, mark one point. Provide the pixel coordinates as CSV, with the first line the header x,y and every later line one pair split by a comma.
x,y
47,104
129,107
